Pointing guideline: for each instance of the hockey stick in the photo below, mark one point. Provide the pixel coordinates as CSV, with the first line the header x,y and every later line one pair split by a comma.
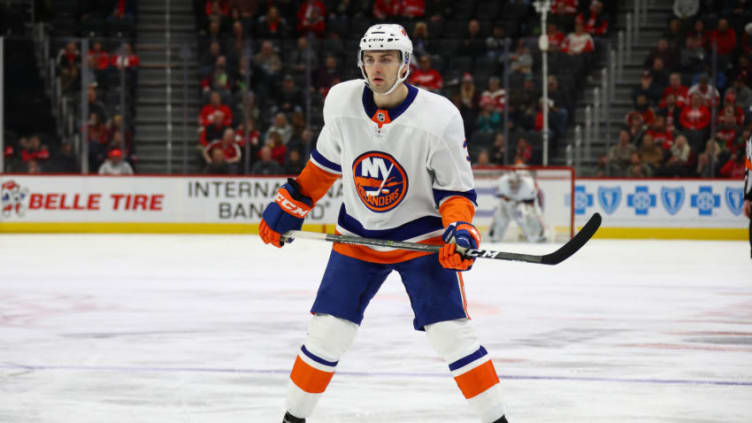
x,y
556,257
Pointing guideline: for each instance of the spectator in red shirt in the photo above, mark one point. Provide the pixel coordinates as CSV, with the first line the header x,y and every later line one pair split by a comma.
x,y
643,109
230,151
728,129
34,150
675,87
99,61
497,94
215,111
723,37
595,23
413,8
384,9
311,17
578,42
127,58
695,116
555,37
277,146
695,120
730,100
425,76
661,135
708,94
734,168
564,7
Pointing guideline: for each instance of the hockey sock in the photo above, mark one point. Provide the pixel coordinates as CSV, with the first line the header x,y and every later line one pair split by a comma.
x,y
328,338
470,365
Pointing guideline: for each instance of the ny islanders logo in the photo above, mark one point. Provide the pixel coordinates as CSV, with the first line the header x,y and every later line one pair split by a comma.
x,y
381,182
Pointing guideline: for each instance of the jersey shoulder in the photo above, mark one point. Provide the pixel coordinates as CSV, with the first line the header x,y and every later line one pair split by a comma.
x,y
436,113
344,98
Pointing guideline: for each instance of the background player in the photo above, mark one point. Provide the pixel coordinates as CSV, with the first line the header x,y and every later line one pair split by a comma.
x,y
406,175
518,200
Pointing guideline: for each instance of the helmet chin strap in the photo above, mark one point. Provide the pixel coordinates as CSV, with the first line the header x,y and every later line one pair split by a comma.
x,y
400,79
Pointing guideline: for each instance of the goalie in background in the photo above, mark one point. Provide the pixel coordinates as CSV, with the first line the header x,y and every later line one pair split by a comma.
x,y
519,200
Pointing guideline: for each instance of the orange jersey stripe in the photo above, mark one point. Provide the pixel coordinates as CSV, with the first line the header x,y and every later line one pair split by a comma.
x,y
309,379
456,209
361,252
462,292
477,380
315,182
748,164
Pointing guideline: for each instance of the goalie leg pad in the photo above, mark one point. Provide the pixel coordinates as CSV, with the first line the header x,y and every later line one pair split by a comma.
x,y
457,343
530,222
499,223
328,338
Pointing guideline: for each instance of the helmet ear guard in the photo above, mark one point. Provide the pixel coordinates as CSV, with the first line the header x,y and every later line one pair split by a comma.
x,y
387,37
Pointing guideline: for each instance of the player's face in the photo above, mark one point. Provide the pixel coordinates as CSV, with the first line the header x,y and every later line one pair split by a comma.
x,y
381,68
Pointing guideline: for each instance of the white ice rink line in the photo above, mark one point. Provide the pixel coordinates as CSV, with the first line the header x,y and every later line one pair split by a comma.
x,y
134,328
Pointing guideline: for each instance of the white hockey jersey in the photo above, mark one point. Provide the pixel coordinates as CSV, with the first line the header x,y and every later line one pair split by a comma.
x,y
397,165
527,190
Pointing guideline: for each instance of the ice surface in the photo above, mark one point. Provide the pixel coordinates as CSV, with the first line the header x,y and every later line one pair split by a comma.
x,y
136,328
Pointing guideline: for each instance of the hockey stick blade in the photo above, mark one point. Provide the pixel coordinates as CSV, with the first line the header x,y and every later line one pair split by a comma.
x,y
574,244
556,257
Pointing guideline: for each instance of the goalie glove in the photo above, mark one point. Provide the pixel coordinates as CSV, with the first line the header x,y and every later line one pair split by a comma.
x,y
461,234
286,213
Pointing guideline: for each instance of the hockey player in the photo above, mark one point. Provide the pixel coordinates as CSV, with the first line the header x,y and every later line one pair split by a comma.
x,y
518,200
402,155
748,189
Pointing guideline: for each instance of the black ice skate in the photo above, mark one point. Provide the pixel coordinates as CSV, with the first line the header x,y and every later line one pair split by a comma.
x,y
289,418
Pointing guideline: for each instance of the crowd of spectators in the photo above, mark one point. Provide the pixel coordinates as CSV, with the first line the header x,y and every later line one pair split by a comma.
x,y
112,68
261,62
691,117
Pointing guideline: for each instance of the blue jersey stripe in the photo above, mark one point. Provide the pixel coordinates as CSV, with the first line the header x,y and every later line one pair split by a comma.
x,y
464,361
370,107
326,163
317,358
439,195
412,229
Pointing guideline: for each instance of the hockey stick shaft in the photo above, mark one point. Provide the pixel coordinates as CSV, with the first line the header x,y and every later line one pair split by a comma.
x,y
556,257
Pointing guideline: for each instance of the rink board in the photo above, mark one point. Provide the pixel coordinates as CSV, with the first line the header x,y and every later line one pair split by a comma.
x,y
678,209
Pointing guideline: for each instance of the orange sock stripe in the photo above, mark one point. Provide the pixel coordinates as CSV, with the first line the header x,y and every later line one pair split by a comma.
x,y
477,380
309,379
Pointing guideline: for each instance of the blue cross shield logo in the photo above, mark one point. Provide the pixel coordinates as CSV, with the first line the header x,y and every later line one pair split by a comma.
x,y
642,200
609,198
672,199
705,201
734,200
582,200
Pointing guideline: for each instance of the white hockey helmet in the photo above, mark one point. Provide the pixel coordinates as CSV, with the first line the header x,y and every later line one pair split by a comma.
x,y
387,37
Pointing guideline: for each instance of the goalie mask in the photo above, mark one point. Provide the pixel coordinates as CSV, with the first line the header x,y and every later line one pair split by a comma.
x,y
387,37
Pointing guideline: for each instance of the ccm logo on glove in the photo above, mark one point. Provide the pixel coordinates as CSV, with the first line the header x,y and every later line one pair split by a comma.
x,y
290,206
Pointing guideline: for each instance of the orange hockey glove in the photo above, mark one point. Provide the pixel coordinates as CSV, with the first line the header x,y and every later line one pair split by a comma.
x,y
286,213
461,234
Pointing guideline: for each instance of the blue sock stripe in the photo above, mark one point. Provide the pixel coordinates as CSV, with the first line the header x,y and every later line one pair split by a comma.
x,y
468,359
318,359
